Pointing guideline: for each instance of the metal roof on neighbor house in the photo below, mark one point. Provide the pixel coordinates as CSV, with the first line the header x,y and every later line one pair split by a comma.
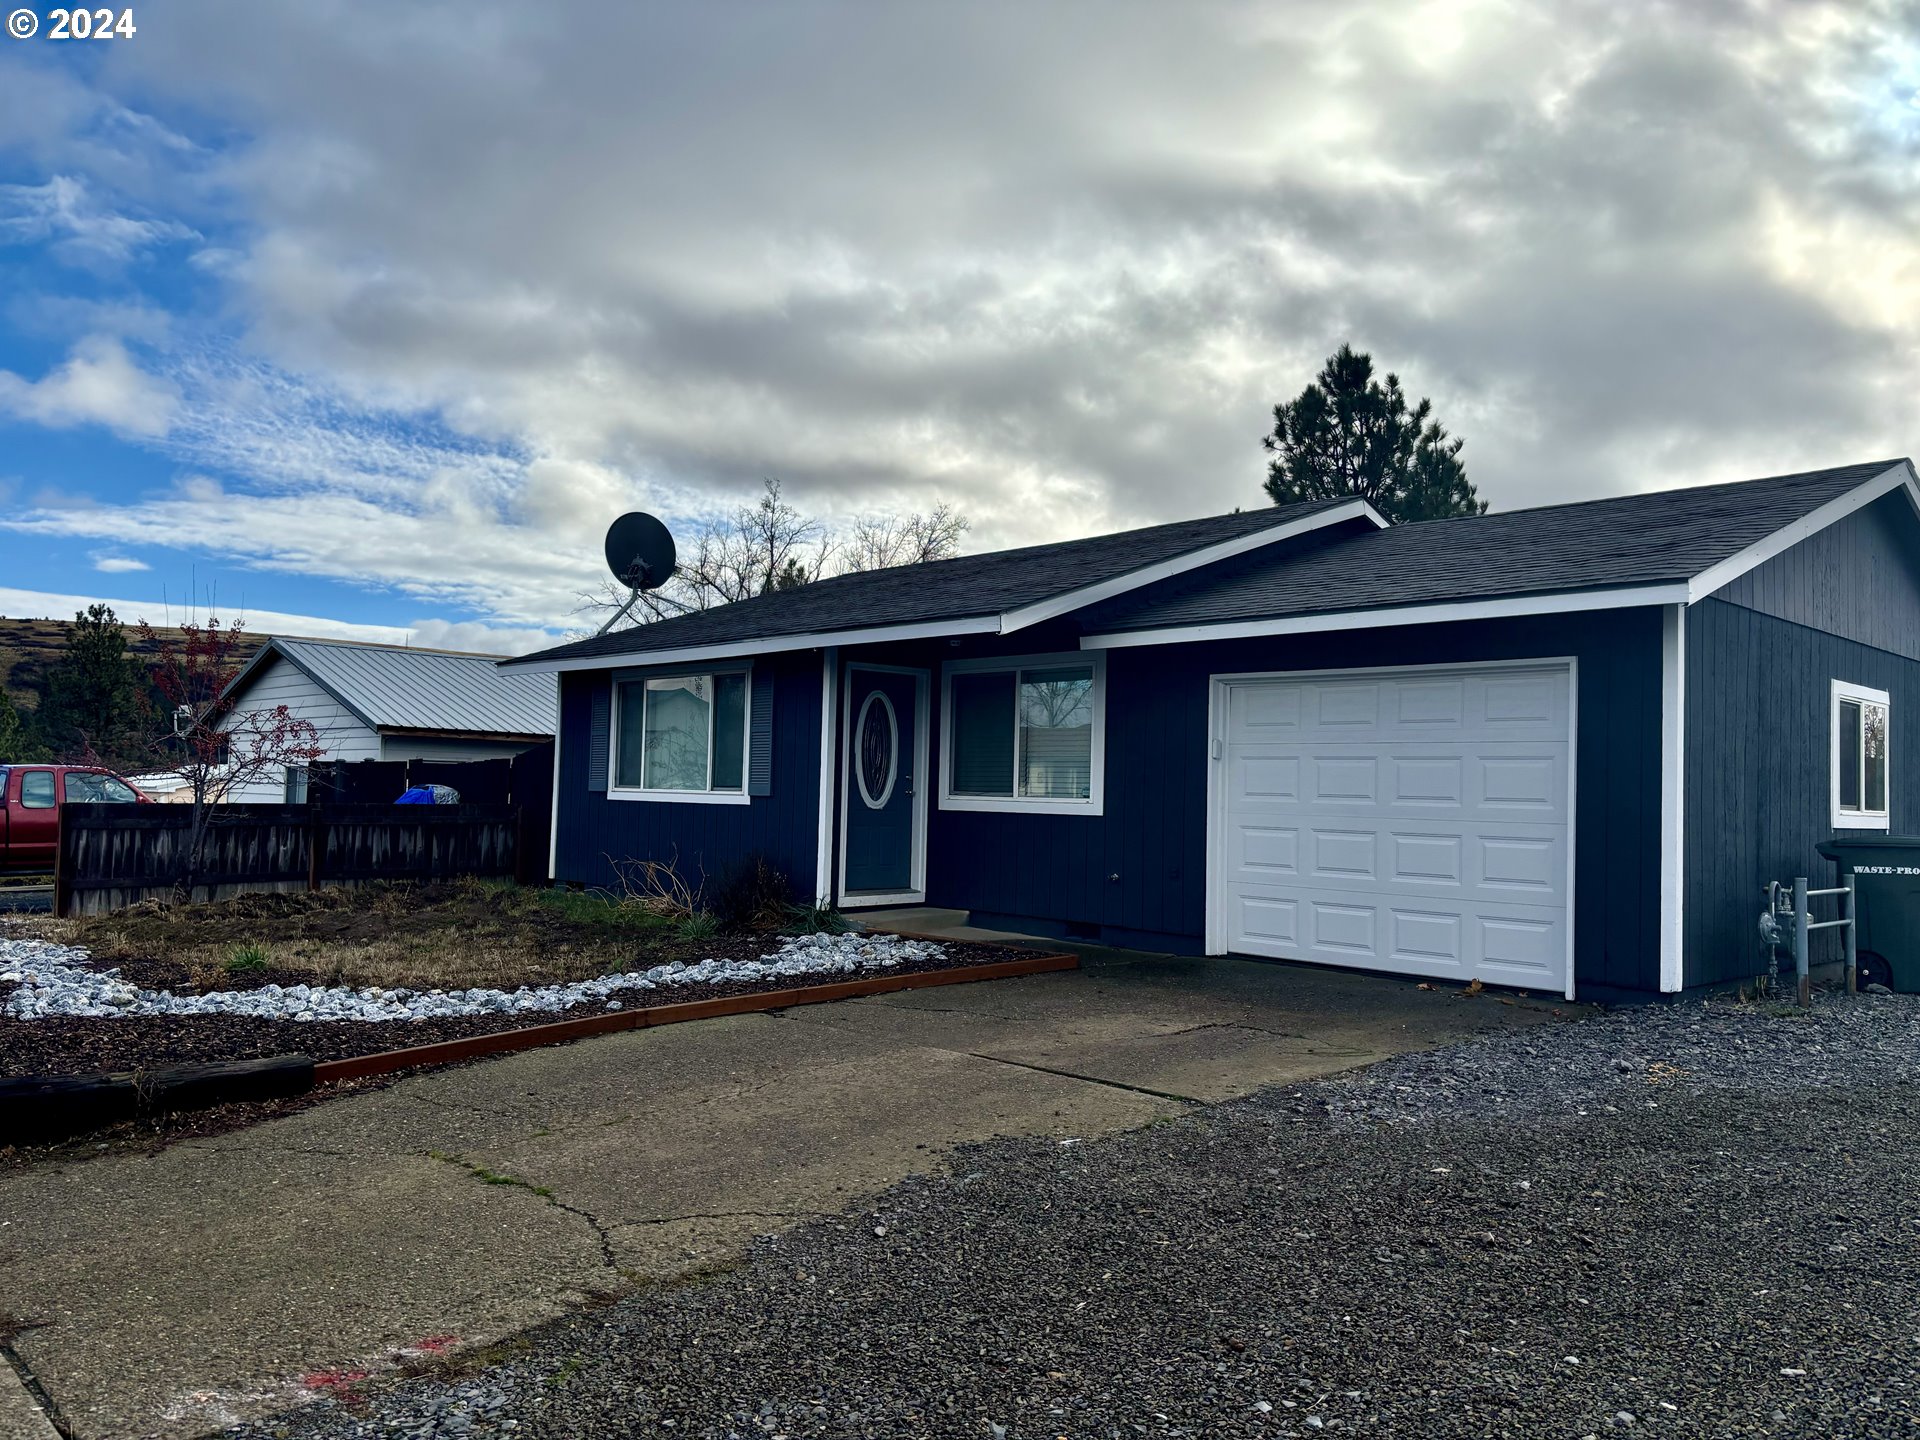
x,y
394,687
1628,541
966,586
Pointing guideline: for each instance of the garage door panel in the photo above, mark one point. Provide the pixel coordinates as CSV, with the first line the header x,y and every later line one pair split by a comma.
x,y
1267,778
1266,924
1518,706
1265,854
1346,706
1430,705
1427,859
1515,783
1343,856
1341,779
1523,950
1519,945
1535,864
1524,782
1428,781
1535,700
1343,929
1415,822
1426,937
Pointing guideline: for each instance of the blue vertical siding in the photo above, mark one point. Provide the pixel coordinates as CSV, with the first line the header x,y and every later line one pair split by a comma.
x,y
1138,872
595,830
1858,579
1758,758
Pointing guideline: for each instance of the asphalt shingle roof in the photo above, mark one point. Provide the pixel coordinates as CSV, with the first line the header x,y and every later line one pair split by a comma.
x,y
399,688
961,588
1649,539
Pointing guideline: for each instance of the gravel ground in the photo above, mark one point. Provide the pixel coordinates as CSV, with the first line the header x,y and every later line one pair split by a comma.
x,y
1686,1221
71,1045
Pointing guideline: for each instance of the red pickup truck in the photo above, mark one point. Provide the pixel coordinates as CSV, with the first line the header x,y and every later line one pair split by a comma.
x,y
30,799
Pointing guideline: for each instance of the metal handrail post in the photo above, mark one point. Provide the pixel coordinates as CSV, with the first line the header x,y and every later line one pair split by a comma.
x,y
1800,919
1853,938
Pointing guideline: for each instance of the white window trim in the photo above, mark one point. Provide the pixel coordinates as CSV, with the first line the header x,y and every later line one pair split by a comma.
x,y
1095,802
1857,819
616,791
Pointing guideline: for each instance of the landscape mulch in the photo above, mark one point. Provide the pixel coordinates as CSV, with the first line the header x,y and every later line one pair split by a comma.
x,y
81,1045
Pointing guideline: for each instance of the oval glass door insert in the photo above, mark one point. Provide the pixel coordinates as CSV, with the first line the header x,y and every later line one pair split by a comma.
x,y
877,753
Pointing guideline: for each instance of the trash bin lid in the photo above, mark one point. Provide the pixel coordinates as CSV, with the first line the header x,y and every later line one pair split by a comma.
x,y
1872,849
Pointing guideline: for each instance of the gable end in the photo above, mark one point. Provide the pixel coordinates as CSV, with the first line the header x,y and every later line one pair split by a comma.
x,y
1859,579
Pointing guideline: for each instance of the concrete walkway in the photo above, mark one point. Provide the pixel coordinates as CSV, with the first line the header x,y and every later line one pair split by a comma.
x,y
228,1277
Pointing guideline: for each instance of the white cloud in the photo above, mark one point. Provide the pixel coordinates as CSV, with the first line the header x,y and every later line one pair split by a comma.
x,y
431,633
108,564
898,257
64,213
97,385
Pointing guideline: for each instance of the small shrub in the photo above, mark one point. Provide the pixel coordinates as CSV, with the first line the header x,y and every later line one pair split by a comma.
x,y
701,926
816,919
246,958
753,895
657,887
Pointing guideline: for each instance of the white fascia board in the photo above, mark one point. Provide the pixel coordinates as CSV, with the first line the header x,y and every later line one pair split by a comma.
x,y
1180,564
1898,477
1436,614
766,645
1673,797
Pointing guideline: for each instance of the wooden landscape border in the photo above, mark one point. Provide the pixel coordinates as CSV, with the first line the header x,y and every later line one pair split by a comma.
x,y
500,1042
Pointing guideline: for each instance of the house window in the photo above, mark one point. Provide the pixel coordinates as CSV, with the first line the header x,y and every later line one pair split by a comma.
x,y
1861,757
681,737
296,785
1024,735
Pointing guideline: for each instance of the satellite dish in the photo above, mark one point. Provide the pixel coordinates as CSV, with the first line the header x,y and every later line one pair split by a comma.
x,y
640,551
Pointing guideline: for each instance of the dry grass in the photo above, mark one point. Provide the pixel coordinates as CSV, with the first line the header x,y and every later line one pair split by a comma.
x,y
452,936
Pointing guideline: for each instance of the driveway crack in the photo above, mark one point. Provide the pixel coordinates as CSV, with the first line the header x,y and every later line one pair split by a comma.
x,y
515,1182
30,1382
1085,1079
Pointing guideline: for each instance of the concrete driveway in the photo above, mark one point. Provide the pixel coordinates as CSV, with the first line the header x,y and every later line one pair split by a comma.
x,y
223,1278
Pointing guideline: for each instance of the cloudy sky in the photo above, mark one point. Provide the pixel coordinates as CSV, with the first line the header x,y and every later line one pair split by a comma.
x,y
375,314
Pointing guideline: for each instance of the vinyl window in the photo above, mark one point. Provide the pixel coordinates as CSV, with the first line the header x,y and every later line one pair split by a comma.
x,y
681,737
1024,734
1862,757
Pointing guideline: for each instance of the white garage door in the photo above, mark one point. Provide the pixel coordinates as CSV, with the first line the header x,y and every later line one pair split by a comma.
x,y
1417,821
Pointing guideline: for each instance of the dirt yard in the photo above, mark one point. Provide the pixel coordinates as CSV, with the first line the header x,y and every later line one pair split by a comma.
x,y
449,936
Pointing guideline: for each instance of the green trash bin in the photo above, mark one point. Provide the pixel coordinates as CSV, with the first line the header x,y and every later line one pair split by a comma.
x,y
1886,884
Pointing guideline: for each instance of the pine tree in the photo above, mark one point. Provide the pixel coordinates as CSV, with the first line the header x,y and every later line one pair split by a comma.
x,y
1346,435
94,701
15,744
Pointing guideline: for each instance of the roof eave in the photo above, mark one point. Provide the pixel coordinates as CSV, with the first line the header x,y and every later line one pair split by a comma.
x,y
764,645
1003,623
1894,477
269,651
1071,600
1432,613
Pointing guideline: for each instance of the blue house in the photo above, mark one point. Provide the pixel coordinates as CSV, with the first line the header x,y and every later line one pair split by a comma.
x,y
1561,749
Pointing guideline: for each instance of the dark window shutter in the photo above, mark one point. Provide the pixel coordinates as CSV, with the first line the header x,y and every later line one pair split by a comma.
x,y
597,736
760,734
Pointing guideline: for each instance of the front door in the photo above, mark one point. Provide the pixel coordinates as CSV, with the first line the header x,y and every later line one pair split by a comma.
x,y
881,799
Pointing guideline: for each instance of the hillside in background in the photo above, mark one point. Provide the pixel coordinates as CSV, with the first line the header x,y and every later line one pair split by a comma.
x,y
28,647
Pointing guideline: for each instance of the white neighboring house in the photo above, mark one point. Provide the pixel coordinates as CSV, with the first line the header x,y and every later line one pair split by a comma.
x,y
391,702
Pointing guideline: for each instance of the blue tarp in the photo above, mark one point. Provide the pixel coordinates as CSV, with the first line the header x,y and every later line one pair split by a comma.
x,y
430,795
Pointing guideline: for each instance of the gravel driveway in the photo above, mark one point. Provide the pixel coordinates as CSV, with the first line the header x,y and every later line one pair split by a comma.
x,y
1688,1220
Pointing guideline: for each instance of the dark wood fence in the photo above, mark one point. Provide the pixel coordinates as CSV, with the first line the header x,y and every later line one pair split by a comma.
x,y
524,780
112,856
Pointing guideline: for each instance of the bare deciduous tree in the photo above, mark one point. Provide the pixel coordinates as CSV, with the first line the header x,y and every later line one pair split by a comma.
x,y
769,546
212,748
879,542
